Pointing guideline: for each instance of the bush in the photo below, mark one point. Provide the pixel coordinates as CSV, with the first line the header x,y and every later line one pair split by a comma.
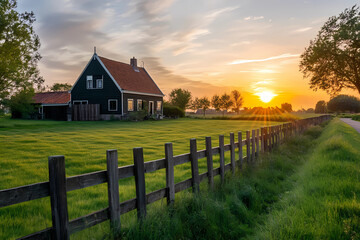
x,y
344,103
21,104
137,115
173,111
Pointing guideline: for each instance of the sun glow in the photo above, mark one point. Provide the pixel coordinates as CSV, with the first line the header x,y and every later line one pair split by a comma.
x,y
266,96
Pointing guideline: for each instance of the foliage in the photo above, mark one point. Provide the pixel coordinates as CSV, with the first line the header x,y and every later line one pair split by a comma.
x,y
203,103
344,103
286,107
226,102
173,111
59,87
194,104
137,115
18,50
321,107
21,104
356,117
216,102
237,100
180,98
332,58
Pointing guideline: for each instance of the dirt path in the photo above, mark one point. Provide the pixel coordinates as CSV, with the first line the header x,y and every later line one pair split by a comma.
x,y
353,123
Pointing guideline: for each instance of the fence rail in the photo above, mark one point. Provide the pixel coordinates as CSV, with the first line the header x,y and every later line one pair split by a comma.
x,y
264,139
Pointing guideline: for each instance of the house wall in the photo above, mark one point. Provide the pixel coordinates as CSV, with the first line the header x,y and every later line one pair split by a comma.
x,y
146,98
97,96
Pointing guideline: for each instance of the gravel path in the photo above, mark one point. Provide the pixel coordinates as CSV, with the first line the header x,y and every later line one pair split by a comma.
x,y
353,123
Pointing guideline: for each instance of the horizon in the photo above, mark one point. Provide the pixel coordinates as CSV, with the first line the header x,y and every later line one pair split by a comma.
x,y
207,47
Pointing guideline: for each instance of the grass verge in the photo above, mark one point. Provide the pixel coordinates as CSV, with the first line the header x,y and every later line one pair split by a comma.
x,y
324,203
233,210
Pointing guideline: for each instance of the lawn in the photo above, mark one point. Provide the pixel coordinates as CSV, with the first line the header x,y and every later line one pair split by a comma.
x,y
25,146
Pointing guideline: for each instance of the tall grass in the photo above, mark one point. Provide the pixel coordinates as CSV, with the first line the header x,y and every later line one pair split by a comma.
x,y
232,210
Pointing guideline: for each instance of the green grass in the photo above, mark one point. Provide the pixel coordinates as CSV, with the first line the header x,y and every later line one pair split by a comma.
x,y
26,145
324,203
235,209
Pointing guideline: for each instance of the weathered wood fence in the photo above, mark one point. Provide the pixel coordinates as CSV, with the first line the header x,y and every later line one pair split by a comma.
x,y
264,139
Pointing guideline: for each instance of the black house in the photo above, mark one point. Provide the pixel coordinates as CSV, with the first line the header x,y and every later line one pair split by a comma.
x,y
116,88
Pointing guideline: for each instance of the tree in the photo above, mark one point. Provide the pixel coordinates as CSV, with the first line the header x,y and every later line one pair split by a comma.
x,y
321,107
332,60
58,87
204,104
194,104
21,103
344,103
180,98
216,102
18,50
237,100
286,107
226,102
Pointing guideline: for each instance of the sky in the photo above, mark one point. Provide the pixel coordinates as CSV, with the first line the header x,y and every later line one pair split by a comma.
x,y
206,46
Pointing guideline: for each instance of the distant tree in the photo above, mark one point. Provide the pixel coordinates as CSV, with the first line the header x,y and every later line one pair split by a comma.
x,y
286,107
21,103
237,100
226,102
180,98
19,54
216,102
344,103
332,59
321,107
204,104
59,87
310,110
194,104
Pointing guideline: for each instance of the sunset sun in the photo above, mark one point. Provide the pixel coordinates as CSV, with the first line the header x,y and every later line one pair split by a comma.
x,y
266,96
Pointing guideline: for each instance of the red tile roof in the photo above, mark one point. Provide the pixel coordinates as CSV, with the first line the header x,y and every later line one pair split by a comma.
x,y
52,97
130,80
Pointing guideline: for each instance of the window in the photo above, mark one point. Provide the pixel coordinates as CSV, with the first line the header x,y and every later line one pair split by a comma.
x,y
139,104
99,83
89,82
79,102
158,106
130,105
112,104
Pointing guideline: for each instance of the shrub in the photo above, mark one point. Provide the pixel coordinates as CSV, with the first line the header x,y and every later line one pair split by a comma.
x,y
173,111
137,115
344,103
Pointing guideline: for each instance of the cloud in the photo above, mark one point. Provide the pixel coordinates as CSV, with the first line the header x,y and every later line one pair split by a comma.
x,y
301,30
243,61
259,71
214,14
254,18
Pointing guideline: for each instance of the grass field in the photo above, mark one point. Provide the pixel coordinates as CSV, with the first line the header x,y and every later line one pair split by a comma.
x,y
25,146
306,189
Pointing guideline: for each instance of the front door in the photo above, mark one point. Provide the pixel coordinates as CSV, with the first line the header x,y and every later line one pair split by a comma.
x,y
151,107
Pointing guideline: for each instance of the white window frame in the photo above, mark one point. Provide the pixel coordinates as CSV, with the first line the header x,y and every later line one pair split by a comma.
x,y
153,107
130,99
89,78
157,105
137,105
109,105
81,102
102,83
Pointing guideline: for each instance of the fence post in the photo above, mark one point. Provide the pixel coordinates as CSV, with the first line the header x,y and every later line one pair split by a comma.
x,y
257,142
58,198
139,171
248,147
209,159
170,184
262,132
222,157
253,146
194,165
232,152
240,149
113,189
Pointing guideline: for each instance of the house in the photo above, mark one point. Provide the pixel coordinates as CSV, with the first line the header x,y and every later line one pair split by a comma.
x,y
106,89
53,105
118,88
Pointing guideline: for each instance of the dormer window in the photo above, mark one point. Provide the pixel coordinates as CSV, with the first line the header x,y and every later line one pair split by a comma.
x,y
89,82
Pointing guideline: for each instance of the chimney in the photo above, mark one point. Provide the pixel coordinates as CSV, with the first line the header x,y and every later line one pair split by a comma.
x,y
133,63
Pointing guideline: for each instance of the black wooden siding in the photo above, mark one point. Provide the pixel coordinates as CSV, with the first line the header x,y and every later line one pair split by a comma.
x,y
97,96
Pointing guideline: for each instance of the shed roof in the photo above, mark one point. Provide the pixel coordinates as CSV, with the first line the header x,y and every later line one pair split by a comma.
x,y
129,79
52,97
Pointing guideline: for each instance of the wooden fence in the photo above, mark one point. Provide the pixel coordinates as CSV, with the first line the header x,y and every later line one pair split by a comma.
x,y
264,139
